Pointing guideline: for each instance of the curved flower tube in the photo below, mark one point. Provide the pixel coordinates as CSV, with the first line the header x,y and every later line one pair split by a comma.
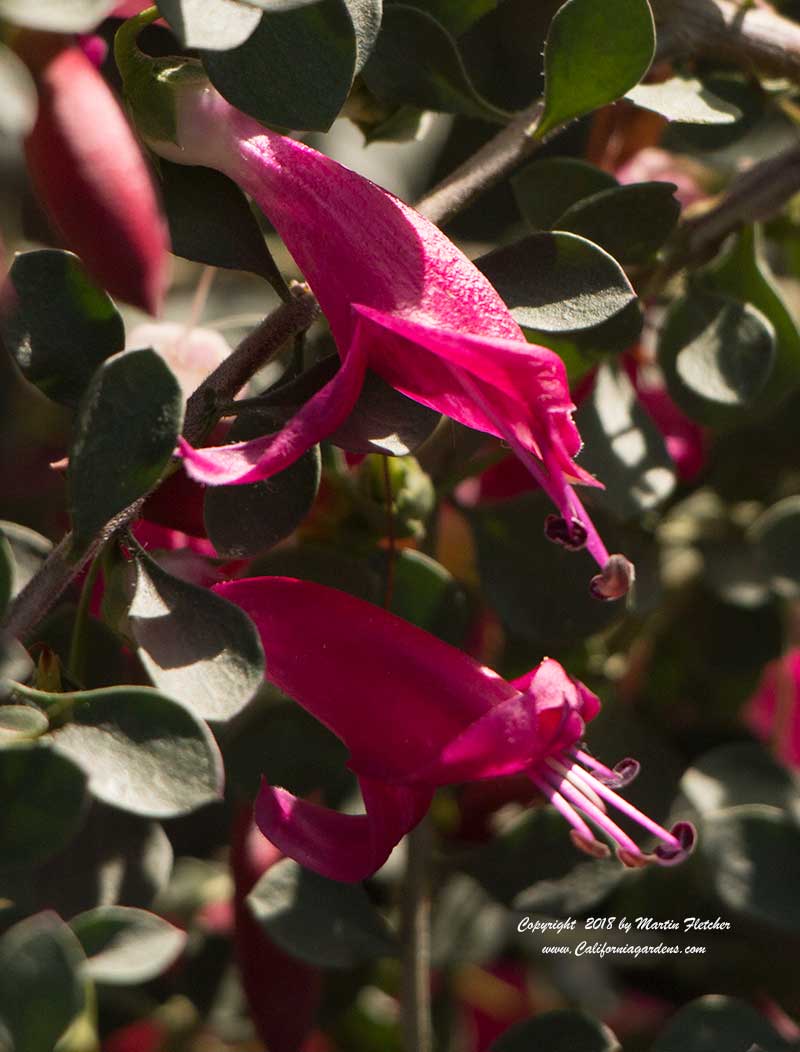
x,y
400,298
416,714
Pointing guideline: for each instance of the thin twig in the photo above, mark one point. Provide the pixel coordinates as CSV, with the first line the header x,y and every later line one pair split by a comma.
x,y
416,937
202,411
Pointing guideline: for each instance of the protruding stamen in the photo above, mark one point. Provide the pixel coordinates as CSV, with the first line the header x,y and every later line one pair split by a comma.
x,y
579,827
616,579
571,534
565,772
621,775
685,834
594,814
595,848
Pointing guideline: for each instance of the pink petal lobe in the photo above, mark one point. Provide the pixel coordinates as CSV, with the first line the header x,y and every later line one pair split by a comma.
x,y
391,692
260,458
339,846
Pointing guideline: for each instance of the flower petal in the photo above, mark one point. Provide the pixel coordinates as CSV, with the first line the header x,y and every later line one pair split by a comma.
x,y
339,846
393,693
260,458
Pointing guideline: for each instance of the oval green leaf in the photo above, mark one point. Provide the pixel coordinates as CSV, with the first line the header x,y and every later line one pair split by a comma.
x,y
125,433
739,773
685,100
436,79
296,68
777,537
545,189
712,1023
58,326
194,645
142,752
753,855
29,550
558,282
214,24
125,945
564,1030
623,447
717,354
41,982
631,222
594,53
323,922
44,797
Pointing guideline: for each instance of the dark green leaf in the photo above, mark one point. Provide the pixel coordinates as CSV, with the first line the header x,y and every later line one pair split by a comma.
x,y
513,552
323,922
743,274
545,189
777,536
214,24
18,93
44,795
623,447
20,722
581,351
15,664
718,1024
753,854
296,68
562,1031
468,927
211,222
686,100
739,773
243,521
557,282
125,433
631,222
717,354
143,752
594,53
59,327
195,645
325,565
62,16
427,595
125,945
436,78
29,550
6,573
456,15
739,90
384,421
114,857
41,985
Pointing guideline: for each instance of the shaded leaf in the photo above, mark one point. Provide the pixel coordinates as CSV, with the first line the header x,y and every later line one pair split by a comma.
x,y
143,752
739,773
557,282
41,985
243,521
594,53
435,80
742,273
125,945
630,222
322,922
716,353
545,189
686,100
57,324
562,1031
384,421
752,852
712,1023
214,24
125,433
468,927
6,573
20,722
296,68
44,797
62,16
623,447
195,646
211,222
15,664
18,93
427,595
456,15
777,537
29,549
739,90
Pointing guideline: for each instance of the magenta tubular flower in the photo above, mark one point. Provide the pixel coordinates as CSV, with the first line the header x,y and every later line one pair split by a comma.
x,y
91,177
416,714
401,299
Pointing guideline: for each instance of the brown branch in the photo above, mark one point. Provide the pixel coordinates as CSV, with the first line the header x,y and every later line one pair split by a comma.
x,y
202,411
